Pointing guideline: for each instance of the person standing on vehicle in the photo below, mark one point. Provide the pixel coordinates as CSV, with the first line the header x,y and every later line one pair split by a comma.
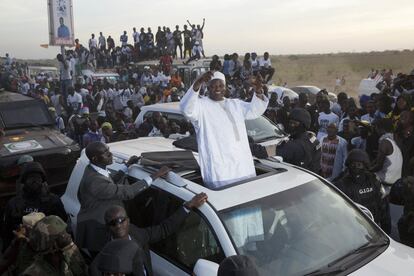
x,y
124,39
65,76
187,41
102,42
302,149
98,190
360,185
178,42
223,146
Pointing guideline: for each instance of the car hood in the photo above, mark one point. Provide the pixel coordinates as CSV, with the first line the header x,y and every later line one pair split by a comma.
x,y
25,141
398,259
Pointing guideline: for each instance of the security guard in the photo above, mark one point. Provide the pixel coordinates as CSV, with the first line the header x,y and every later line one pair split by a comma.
x,y
361,185
302,149
56,252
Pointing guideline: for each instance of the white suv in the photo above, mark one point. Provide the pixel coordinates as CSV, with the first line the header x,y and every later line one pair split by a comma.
x,y
261,129
289,221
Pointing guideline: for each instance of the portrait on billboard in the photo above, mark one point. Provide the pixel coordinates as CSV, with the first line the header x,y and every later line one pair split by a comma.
x,y
60,22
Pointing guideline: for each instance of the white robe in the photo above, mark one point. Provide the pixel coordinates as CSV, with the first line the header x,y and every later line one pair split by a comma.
x,y
223,146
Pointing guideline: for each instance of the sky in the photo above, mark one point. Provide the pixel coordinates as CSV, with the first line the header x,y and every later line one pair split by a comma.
x,y
277,26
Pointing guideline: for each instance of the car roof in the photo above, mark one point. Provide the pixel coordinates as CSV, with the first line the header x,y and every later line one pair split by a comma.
x,y
163,107
282,176
305,86
6,96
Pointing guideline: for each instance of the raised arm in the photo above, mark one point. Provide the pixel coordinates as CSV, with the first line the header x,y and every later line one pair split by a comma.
x,y
204,22
189,104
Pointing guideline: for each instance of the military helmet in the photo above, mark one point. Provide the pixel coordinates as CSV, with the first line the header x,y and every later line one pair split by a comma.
x,y
45,233
301,115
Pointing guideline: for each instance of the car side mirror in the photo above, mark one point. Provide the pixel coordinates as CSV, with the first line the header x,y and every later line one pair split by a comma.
x,y
205,268
366,211
281,127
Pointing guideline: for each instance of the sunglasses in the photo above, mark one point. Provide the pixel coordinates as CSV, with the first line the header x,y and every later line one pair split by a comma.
x,y
116,221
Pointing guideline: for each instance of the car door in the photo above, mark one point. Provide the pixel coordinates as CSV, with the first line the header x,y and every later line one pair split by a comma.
x,y
195,239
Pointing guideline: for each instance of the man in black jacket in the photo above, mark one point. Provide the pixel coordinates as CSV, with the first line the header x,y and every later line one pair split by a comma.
x,y
302,149
33,197
119,227
360,185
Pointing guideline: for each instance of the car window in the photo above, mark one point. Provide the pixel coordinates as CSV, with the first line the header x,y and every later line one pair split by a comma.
x,y
193,240
260,129
24,114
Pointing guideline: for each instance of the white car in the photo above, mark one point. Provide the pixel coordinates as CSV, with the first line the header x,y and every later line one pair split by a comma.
x,y
282,92
289,221
261,130
311,91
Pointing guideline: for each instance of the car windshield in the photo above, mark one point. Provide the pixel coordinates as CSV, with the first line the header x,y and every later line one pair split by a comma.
x,y
313,89
24,114
261,129
300,230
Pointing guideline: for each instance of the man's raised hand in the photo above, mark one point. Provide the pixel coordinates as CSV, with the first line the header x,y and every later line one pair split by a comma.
x,y
204,78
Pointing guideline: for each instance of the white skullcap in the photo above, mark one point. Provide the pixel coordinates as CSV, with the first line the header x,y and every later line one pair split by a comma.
x,y
219,76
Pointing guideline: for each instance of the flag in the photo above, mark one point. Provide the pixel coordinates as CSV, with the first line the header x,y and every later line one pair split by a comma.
x,y
44,45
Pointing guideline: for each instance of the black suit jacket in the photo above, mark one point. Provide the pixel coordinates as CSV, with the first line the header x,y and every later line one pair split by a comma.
x,y
144,237
96,194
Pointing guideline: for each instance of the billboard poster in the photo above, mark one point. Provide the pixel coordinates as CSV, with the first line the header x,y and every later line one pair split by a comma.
x,y
61,22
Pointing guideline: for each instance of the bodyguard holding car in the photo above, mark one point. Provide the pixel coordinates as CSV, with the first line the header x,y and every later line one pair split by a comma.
x,y
98,189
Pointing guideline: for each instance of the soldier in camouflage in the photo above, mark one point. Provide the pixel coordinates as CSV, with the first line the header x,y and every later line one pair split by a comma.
x,y
56,252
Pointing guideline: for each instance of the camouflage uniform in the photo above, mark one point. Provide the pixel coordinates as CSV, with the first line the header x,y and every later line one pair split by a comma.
x,y
49,236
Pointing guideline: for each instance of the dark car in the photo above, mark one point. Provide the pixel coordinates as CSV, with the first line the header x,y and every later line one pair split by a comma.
x,y
28,128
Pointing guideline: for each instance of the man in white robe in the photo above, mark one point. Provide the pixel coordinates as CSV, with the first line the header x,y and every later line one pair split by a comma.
x,y
223,147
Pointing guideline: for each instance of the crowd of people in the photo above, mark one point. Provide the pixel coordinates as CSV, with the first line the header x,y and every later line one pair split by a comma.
x,y
142,44
366,149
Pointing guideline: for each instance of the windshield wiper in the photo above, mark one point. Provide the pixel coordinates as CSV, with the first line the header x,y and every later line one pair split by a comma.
x,y
28,124
331,268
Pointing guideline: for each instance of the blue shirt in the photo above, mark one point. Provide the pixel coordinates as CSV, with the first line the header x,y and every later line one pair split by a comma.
x,y
63,31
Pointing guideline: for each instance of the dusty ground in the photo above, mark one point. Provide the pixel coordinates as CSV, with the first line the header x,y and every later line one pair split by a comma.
x,y
322,70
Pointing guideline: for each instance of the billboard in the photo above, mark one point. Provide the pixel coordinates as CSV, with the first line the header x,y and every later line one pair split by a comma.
x,y
61,22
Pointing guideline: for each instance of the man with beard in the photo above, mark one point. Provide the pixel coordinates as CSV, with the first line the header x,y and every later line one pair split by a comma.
x,y
361,185
223,147
301,149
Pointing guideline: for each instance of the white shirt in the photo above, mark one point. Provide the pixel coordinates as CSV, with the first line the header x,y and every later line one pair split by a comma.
x,y
93,43
75,100
265,63
102,41
324,120
223,147
368,118
55,99
135,35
